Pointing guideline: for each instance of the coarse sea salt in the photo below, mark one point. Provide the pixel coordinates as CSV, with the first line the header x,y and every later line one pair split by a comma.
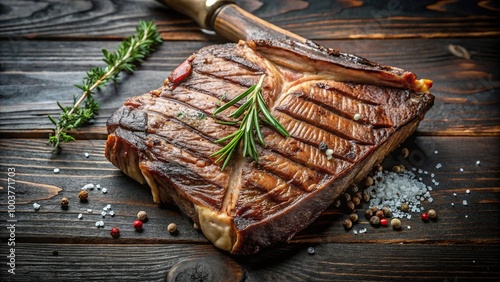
x,y
391,189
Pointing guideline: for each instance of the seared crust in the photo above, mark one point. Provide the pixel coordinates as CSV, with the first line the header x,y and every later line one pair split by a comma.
x,y
166,137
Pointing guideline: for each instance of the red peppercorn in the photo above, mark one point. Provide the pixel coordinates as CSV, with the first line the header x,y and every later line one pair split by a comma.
x,y
115,232
138,225
424,216
384,222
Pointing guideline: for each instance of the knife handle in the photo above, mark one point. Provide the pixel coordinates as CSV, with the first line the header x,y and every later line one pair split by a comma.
x,y
229,20
234,23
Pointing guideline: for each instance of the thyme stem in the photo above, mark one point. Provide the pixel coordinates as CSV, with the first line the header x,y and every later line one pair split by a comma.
x,y
130,52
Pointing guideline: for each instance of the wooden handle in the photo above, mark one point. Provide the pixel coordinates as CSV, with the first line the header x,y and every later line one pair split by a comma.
x,y
235,23
202,11
229,20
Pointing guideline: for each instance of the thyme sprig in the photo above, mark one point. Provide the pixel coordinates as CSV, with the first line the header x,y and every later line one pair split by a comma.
x,y
131,51
249,126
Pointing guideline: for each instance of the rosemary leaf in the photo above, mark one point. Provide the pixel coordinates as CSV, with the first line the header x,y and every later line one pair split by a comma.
x,y
249,124
130,52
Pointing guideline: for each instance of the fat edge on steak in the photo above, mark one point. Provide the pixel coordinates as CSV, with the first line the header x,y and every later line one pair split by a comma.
x,y
165,138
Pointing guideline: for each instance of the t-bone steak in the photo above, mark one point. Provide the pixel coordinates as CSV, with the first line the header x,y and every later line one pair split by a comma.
x,y
358,108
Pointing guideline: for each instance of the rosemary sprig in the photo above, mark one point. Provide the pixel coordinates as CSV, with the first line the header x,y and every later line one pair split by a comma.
x,y
130,52
249,125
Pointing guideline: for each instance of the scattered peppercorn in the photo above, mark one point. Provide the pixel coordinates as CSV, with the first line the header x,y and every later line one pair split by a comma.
x,y
379,214
83,195
347,223
115,232
358,194
384,221
379,168
403,168
405,207
64,203
368,213
431,213
368,181
396,223
142,215
374,220
424,216
172,228
350,206
387,212
322,146
405,153
356,200
396,168
353,217
366,197
137,225
374,209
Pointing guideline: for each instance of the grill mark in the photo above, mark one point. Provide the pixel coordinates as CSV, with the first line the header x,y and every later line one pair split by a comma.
x,y
189,168
219,84
291,172
315,115
170,108
264,194
330,87
346,107
302,153
313,136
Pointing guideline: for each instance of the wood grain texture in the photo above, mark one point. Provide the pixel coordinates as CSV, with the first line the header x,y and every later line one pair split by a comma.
x,y
34,163
453,247
330,262
37,74
46,46
107,19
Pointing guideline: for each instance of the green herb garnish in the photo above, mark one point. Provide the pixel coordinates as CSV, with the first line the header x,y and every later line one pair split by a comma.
x,y
131,51
249,125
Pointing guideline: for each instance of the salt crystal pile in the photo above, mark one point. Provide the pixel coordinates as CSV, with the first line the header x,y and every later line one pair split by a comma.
x,y
391,189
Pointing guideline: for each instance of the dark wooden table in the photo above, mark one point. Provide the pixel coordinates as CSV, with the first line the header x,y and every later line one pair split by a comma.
x,y
46,46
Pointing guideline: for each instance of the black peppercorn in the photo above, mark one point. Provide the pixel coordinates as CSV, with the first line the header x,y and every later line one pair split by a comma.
x,y
368,213
374,220
322,146
347,223
379,214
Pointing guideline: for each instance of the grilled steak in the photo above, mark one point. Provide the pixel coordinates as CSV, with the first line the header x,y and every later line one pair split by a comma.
x,y
359,109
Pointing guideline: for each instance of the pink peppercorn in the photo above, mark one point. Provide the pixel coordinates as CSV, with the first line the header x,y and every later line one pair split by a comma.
x,y
384,222
137,225
424,216
115,232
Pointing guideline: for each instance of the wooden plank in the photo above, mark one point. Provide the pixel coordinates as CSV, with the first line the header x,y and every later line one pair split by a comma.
x,y
330,262
35,76
34,162
84,19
